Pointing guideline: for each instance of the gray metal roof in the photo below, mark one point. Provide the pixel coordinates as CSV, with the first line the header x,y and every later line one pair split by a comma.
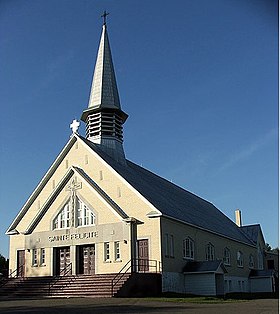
x,y
252,232
262,273
204,266
173,201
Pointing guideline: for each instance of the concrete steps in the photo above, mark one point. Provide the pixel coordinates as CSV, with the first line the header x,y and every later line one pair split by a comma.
x,y
68,286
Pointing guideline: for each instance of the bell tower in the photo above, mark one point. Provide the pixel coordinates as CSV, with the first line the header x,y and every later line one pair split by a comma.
x,y
104,117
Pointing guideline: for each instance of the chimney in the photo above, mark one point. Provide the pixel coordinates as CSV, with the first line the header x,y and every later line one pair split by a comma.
x,y
238,218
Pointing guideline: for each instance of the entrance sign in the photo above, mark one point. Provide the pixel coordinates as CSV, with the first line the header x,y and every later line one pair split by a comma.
x,y
73,236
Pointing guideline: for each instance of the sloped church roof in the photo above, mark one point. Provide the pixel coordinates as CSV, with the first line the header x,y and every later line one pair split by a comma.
x,y
173,201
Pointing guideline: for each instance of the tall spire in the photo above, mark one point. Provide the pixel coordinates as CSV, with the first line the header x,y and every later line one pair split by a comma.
x,y
104,117
104,90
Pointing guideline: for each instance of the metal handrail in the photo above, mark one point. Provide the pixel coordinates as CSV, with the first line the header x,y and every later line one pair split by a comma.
x,y
136,264
17,272
14,274
63,273
120,275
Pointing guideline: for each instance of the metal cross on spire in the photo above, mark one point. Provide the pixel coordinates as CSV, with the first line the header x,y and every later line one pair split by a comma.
x,y
104,15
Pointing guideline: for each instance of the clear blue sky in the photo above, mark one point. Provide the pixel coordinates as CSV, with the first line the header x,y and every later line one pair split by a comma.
x,y
198,78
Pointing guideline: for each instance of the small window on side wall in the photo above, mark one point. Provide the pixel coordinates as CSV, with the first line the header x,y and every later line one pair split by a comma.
x,y
239,259
106,251
34,257
43,257
251,261
210,252
188,248
226,258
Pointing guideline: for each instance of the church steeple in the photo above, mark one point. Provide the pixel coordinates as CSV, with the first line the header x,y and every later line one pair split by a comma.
x,y
104,117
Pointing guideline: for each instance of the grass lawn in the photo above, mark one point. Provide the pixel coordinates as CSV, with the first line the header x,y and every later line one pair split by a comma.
x,y
198,300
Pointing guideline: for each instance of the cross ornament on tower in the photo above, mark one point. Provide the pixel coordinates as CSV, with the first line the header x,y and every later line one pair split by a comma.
x,y
73,187
75,126
104,15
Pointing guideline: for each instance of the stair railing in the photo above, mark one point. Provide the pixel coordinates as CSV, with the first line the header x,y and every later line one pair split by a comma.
x,y
120,275
17,273
63,273
136,265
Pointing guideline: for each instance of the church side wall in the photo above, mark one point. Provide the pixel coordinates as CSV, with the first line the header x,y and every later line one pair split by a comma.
x,y
238,276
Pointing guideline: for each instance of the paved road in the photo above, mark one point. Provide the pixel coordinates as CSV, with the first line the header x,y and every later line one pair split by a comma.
x,y
134,306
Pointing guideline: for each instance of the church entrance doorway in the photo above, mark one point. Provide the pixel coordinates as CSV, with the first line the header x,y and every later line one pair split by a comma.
x,y
62,260
143,255
20,263
87,259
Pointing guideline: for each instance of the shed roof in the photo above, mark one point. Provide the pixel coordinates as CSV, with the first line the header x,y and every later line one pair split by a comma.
x,y
203,266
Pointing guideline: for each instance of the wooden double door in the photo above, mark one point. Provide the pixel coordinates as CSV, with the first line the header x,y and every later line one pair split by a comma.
x,y
87,259
63,260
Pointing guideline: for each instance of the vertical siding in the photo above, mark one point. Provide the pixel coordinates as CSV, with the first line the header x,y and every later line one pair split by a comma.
x,y
261,284
200,284
173,282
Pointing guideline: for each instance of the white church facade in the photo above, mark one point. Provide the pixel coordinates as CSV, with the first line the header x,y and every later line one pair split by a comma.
x,y
95,213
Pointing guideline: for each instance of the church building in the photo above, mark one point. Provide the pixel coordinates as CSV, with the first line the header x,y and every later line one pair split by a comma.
x,y
97,213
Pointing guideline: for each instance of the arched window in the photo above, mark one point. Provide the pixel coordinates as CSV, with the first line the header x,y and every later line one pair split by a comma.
x,y
239,259
188,248
226,258
62,220
210,252
251,261
85,216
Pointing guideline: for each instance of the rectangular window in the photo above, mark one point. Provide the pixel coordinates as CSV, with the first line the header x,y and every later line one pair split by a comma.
x,y
34,257
239,285
171,243
43,257
166,245
106,251
229,286
117,251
